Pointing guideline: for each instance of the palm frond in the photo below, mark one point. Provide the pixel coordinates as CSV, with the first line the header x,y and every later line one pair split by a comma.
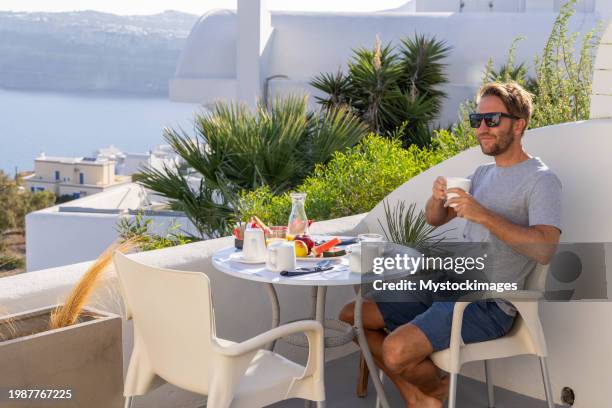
x,y
403,226
337,88
423,71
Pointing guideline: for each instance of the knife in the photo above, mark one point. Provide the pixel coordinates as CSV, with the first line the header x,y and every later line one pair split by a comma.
x,y
306,271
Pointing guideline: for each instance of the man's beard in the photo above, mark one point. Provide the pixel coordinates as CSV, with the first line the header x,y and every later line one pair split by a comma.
x,y
501,145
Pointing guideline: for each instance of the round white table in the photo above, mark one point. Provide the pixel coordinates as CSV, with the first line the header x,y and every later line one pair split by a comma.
x,y
340,275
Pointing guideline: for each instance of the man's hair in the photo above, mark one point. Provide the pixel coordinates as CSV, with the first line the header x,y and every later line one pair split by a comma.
x,y
516,99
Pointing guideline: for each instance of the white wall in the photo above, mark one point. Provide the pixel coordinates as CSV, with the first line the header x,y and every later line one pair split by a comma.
x,y
306,44
62,238
601,92
81,229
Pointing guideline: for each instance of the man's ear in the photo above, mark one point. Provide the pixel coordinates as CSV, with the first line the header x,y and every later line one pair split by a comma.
x,y
520,125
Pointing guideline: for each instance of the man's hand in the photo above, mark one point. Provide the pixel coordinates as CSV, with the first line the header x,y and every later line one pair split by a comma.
x,y
467,207
436,213
438,191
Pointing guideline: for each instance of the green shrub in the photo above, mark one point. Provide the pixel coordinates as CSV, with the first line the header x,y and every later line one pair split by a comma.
x,y
16,202
9,262
561,87
510,71
563,84
352,182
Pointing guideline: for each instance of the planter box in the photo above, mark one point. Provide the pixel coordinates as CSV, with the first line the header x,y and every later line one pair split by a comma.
x,y
85,358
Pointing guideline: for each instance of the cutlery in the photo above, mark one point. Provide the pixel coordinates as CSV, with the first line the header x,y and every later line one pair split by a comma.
x,y
306,271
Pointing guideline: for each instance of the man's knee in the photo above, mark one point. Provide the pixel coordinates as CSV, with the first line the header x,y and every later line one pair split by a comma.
x,y
400,353
347,314
370,315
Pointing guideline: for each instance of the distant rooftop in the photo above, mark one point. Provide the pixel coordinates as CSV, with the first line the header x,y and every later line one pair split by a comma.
x,y
72,160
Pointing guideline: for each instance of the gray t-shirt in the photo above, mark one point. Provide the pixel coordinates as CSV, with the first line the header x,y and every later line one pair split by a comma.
x,y
527,194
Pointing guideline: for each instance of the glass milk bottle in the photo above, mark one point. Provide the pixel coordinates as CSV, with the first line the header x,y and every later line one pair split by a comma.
x,y
298,222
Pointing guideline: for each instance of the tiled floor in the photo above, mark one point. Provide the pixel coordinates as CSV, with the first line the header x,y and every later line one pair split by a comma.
x,y
341,378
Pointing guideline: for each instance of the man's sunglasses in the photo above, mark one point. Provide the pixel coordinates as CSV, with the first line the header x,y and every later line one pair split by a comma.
x,y
492,119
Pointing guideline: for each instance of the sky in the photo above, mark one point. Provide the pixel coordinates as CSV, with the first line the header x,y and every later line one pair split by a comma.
x,y
128,7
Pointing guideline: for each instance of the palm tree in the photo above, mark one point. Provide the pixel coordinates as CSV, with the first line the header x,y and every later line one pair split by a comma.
x,y
391,91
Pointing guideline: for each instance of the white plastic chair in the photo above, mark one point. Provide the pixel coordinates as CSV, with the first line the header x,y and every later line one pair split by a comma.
x,y
525,337
175,341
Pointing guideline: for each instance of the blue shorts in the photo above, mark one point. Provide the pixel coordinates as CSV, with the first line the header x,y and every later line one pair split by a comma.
x,y
482,320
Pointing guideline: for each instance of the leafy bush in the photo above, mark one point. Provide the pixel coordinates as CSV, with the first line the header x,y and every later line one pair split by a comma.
x,y
138,229
16,202
236,150
387,89
510,71
352,182
562,86
9,262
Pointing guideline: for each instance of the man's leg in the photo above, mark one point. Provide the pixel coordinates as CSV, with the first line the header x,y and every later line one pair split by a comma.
x,y
373,323
406,353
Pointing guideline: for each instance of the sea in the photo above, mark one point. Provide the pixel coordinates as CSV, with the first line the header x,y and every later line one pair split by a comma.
x,y
68,124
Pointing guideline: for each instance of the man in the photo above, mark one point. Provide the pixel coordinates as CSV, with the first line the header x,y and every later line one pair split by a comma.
x,y
513,205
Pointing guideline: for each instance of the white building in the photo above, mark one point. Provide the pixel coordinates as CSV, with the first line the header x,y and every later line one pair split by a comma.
x,y
239,54
73,176
129,163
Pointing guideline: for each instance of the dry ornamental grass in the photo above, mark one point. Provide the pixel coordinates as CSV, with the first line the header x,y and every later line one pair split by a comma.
x,y
68,313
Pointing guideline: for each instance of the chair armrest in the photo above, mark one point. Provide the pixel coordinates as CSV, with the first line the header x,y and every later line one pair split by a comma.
x,y
463,303
260,341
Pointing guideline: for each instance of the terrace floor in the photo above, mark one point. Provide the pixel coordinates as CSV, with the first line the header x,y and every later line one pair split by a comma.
x,y
341,379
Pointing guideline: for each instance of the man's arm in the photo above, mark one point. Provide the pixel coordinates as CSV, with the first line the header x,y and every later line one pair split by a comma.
x,y
436,213
537,242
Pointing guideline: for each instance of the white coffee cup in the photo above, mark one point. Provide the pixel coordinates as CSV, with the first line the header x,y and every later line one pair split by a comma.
x,y
362,255
457,182
281,256
254,245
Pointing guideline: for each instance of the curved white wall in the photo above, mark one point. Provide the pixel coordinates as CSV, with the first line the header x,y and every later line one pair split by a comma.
x,y
210,48
207,65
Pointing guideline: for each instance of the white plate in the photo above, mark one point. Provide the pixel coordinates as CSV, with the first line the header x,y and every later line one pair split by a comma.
x,y
238,257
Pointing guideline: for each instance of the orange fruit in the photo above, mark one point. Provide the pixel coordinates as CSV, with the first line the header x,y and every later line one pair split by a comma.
x,y
301,249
